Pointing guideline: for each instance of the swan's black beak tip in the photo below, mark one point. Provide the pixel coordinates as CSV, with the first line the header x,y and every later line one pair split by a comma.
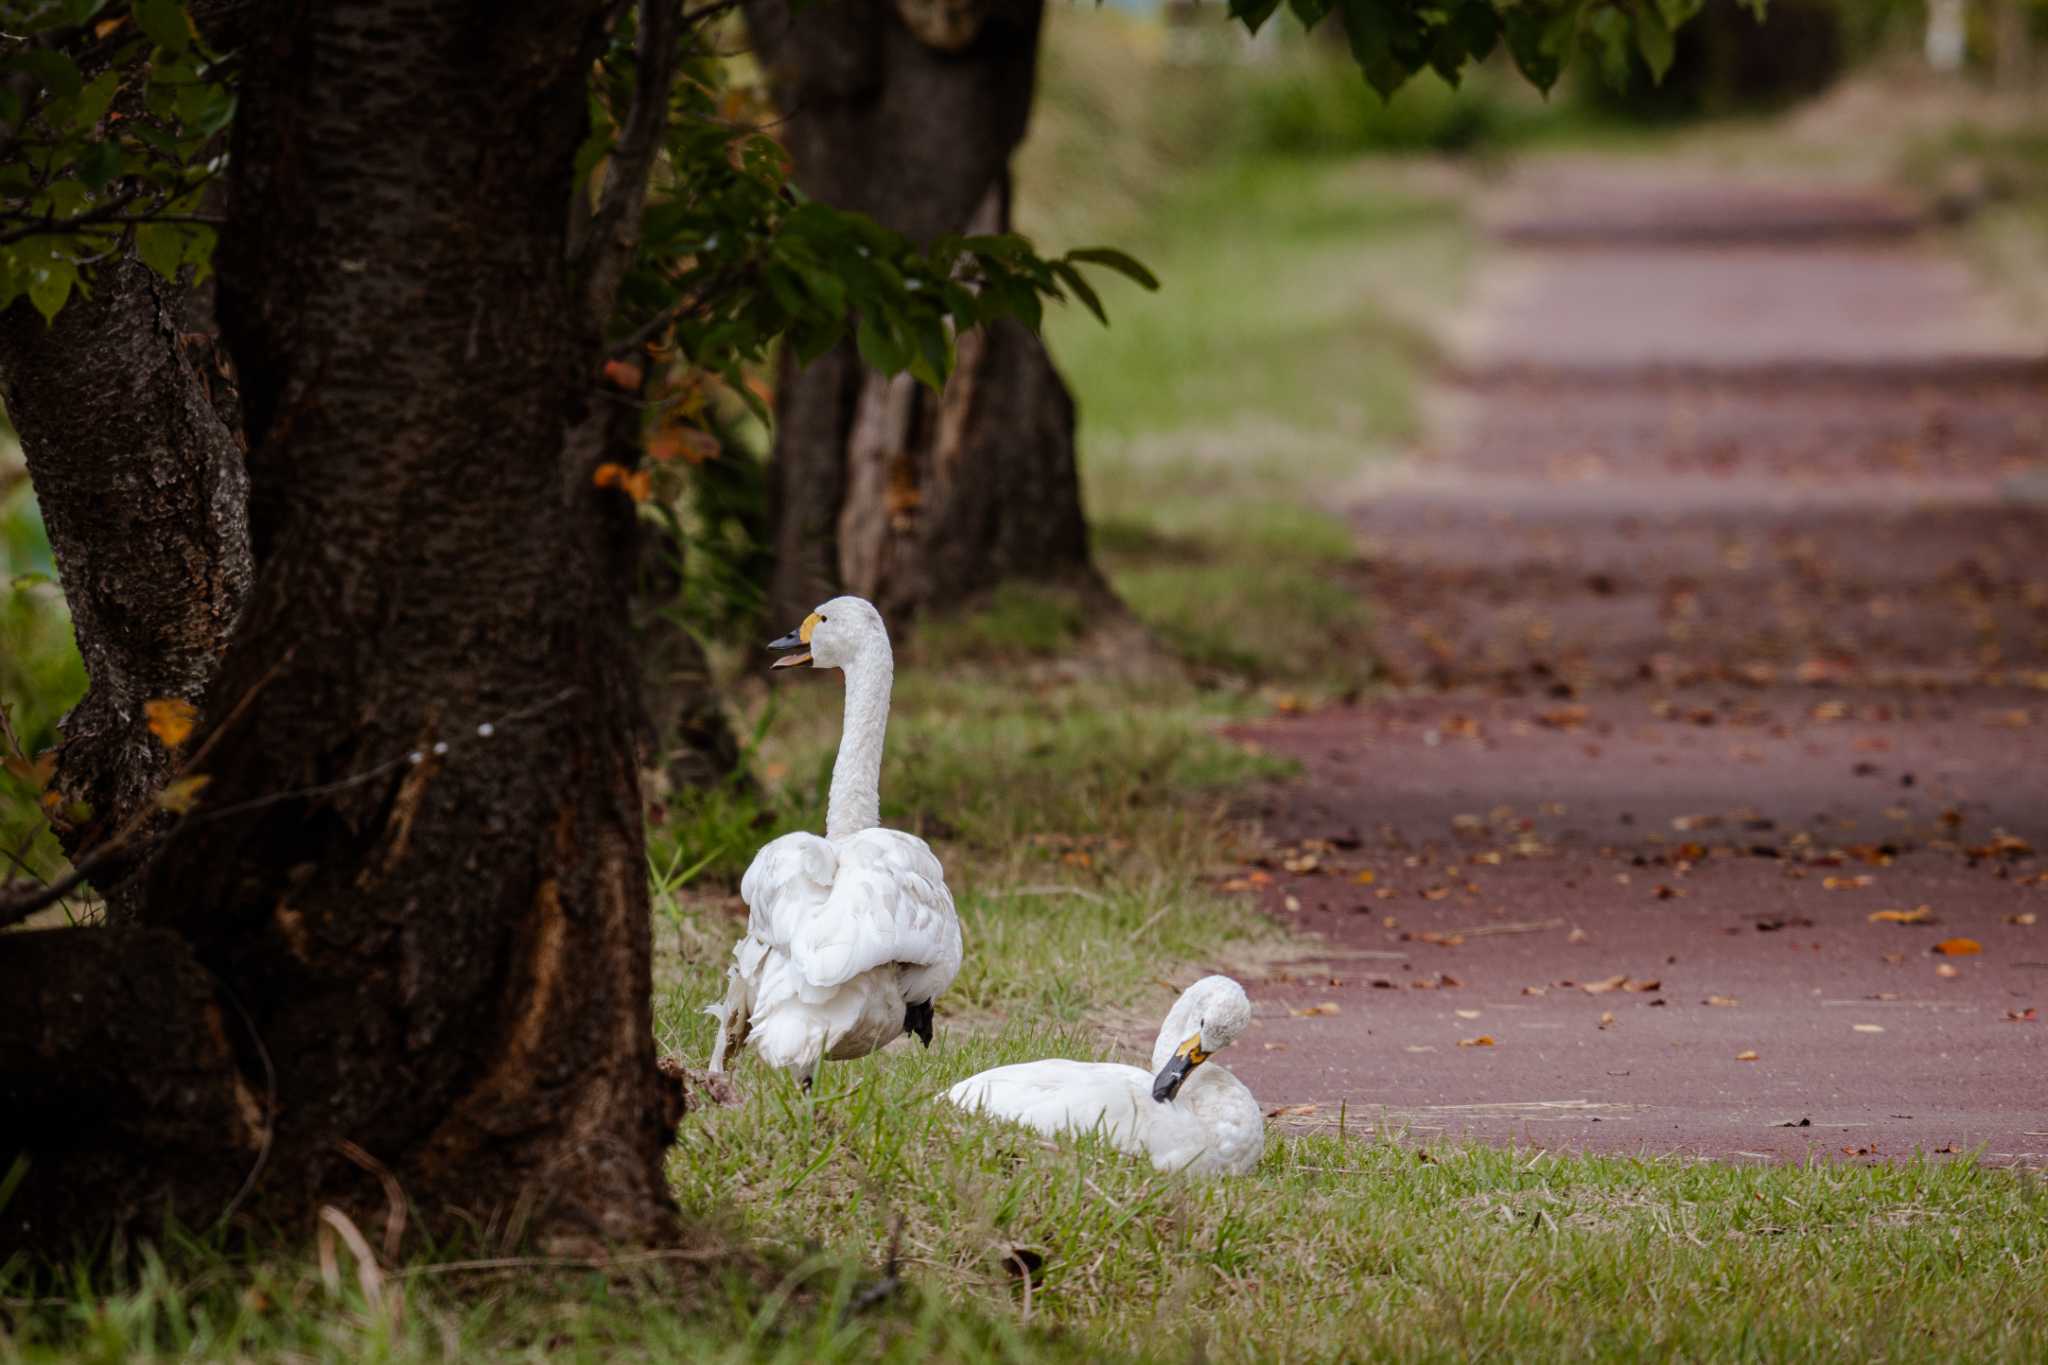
x,y
792,648
1168,1083
917,1020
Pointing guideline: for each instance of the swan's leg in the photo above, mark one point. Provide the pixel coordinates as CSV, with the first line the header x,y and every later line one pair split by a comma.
x,y
917,1019
734,1019
806,1076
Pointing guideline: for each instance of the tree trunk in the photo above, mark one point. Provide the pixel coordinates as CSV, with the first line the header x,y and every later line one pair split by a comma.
x,y
417,878
909,112
130,426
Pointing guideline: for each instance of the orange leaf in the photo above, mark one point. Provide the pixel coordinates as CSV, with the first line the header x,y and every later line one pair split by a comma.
x,y
1322,1007
1958,947
170,719
1483,1040
622,374
1748,1055
610,474
1920,914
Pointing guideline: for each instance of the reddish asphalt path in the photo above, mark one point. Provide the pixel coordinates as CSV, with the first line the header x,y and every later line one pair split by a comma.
x,y
1716,614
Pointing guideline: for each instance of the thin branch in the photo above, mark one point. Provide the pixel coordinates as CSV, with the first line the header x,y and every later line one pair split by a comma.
x,y
615,225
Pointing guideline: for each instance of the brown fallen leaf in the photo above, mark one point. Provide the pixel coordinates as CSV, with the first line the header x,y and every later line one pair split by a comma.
x,y
1947,971
1958,947
1746,1056
2025,1016
1431,936
1535,990
1607,1019
1721,1001
1483,1040
1854,883
1665,893
1365,877
1289,1111
2024,918
1321,1007
1577,936
1642,987
1612,983
1919,914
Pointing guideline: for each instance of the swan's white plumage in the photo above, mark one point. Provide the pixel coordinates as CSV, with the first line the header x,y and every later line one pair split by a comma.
x,y
1213,1126
845,931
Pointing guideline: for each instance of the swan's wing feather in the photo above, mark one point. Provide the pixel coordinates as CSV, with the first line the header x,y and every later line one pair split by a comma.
x,y
787,885
1060,1096
888,904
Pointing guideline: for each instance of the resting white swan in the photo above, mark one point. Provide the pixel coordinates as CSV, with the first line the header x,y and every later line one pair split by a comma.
x,y
1185,1116
850,937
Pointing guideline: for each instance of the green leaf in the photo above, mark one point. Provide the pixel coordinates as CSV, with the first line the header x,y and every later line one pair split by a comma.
x,y
98,164
1253,13
1655,41
1477,26
1081,289
1676,12
50,285
1608,31
878,349
1310,12
162,247
49,68
163,23
1369,24
92,101
1110,258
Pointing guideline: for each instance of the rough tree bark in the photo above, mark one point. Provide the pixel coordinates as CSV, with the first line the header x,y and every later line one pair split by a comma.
x,y
128,419
417,887
908,111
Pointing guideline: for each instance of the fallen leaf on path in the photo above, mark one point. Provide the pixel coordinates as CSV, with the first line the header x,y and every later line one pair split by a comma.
x,y
1483,1040
1276,1047
1320,1008
1431,936
1868,1028
1666,893
2024,918
1947,971
1415,1048
1308,862
1722,1001
1857,882
1746,1056
1958,947
1365,877
1288,1111
1612,983
2025,1016
1919,914
1607,1019
1292,903
1535,990
1466,1014
1577,936
1436,981
2002,846
1642,987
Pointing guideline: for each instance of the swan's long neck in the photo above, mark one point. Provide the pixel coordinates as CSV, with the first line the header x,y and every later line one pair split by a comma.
x,y
856,800
1180,1022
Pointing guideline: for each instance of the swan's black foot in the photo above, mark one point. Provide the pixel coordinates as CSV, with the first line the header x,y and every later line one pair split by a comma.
x,y
805,1080
917,1019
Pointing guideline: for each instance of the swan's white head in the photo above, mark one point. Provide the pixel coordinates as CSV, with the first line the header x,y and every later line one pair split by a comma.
x,y
1215,1011
837,634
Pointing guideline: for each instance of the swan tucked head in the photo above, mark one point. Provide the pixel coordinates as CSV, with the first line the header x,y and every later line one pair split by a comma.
x,y
1215,1011
837,634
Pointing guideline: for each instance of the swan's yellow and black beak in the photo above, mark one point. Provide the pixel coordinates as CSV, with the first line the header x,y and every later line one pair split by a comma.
x,y
797,640
1174,1074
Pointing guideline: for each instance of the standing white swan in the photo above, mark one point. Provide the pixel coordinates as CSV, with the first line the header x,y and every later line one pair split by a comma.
x,y
1185,1116
850,937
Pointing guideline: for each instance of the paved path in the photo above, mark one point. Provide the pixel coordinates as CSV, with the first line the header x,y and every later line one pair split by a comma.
x,y
1717,614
